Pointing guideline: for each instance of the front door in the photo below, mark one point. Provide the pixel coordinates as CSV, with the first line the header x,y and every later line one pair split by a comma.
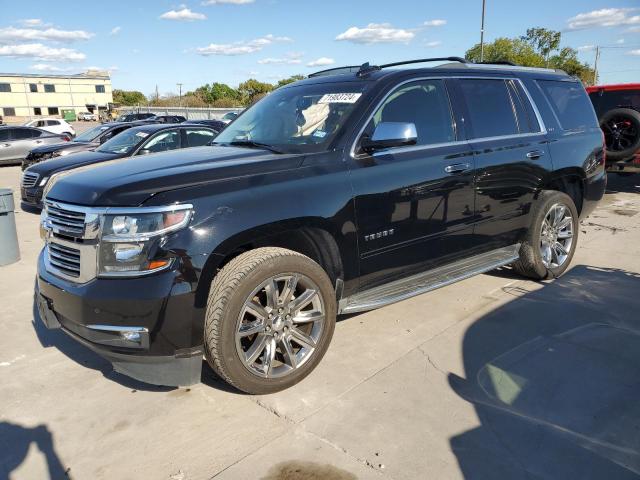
x,y
414,205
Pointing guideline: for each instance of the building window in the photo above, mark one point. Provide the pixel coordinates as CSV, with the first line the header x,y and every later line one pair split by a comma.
x,y
37,111
49,87
33,88
9,112
53,111
99,88
5,87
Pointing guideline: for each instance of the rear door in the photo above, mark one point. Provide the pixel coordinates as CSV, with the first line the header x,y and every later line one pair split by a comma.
x,y
6,147
414,205
23,140
511,155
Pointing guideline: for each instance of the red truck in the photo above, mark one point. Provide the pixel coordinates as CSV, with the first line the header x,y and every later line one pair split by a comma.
x,y
618,110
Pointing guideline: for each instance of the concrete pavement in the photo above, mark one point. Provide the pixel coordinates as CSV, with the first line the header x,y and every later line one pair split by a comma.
x,y
493,377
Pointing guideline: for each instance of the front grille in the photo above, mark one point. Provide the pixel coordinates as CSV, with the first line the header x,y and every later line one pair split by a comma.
x,y
65,220
29,179
65,259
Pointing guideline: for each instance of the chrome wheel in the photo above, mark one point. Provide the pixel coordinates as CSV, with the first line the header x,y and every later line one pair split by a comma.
x,y
556,236
280,325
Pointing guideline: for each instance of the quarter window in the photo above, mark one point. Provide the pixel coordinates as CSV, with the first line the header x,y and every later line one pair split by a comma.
x,y
5,87
491,112
425,104
199,137
49,87
570,103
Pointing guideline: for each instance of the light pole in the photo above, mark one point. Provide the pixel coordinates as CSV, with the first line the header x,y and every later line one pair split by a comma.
x,y
595,66
179,94
482,33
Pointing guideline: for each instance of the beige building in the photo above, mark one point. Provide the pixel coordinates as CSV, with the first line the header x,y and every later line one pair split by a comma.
x,y
24,96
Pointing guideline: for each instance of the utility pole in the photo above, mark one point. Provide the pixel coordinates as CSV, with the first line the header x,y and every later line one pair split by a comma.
x,y
482,33
157,94
595,66
179,94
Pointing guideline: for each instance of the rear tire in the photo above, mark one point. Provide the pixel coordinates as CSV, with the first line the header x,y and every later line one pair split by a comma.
x,y
621,127
257,336
540,257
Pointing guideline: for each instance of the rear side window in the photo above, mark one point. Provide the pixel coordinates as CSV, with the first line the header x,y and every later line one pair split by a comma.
x,y
21,133
197,137
4,134
490,108
570,103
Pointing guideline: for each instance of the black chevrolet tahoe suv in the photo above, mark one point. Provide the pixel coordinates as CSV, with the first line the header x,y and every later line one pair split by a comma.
x,y
352,189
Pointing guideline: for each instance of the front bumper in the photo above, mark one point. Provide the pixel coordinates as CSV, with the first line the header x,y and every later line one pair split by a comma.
x,y
147,327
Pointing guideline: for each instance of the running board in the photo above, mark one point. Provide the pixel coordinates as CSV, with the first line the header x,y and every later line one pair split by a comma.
x,y
430,280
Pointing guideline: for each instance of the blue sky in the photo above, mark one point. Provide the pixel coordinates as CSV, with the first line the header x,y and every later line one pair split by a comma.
x,y
157,42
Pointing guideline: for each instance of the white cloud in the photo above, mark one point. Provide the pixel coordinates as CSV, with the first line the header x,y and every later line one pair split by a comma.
x,y
376,33
16,35
321,62
634,52
115,31
184,15
45,67
41,52
605,17
586,48
435,23
633,29
435,43
231,2
292,58
31,22
240,48
620,41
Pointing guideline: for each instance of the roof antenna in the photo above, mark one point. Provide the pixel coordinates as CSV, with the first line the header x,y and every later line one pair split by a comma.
x,y
366,68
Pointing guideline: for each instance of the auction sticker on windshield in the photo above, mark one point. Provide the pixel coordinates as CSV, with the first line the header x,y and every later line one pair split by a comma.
x,y
142,134
340,98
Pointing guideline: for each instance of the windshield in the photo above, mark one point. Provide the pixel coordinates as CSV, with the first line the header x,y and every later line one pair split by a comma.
x,y
298,119
92,134
124,142
229,116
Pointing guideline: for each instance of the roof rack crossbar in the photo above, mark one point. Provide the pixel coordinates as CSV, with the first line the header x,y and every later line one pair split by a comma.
x,y
348,68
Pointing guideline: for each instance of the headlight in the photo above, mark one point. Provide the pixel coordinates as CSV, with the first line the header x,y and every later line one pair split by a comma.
x,y
128,245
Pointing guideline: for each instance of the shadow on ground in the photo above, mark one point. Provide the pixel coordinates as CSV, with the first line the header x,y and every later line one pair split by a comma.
x,y
623,183
15,442
554,376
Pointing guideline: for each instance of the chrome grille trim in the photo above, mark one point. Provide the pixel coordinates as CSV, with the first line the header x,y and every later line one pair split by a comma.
x,y
64,219
29,179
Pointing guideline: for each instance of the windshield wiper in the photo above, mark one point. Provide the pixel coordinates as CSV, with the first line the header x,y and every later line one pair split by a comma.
x,y
252,144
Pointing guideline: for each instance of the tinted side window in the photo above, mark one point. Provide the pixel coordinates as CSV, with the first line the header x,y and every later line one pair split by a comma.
x,y
4,134
21,133
169,140
425,104
570,103
197,137
490,109
52,123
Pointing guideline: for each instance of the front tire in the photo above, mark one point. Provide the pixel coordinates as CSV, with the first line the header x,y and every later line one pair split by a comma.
x,y
270,318
551,241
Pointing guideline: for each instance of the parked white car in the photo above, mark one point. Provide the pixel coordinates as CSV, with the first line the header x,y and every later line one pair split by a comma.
x,y
53,125
87,117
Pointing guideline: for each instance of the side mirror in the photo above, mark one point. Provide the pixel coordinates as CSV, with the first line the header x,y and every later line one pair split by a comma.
x,y
144,151
391,134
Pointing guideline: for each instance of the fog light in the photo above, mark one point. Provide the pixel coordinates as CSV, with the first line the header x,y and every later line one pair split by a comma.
x,y
131,336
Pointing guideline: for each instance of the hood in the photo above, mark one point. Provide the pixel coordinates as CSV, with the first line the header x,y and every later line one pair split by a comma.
x,y
133,180
48,167
62,146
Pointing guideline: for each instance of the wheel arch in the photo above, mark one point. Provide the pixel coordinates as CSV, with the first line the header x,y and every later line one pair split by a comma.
x,y
570,181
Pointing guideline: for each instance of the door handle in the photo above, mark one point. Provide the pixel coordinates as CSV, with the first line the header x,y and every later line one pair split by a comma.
x,y
535,154
38,141
457,168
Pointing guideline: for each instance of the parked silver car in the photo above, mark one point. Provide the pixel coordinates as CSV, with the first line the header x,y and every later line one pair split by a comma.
x,y
16,142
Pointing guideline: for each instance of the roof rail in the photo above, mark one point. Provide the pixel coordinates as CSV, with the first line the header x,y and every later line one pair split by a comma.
x,y
498,62
366,68
425,60
336,71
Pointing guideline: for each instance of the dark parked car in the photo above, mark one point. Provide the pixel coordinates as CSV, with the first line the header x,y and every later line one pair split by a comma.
x,y
618,110
89,140
217,125
16,142
229,117
138,140
340,193
132,117
169,118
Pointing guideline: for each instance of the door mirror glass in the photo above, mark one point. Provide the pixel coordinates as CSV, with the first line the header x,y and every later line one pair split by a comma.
x,y
391,134
144,151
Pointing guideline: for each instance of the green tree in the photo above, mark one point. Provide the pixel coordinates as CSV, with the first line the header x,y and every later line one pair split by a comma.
x,y
543,41
287,81
503,49
125,97
251,89
216,91
567,59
